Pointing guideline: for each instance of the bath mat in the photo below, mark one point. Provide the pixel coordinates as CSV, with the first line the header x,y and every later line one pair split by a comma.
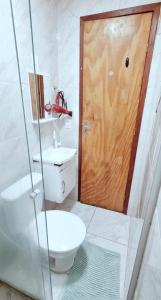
x,y
94,276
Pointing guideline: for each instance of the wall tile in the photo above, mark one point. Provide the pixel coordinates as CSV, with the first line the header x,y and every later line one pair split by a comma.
x,y
145,190
11,113
8,63
12,134
153,251
159,212
130,3
14,161
149,284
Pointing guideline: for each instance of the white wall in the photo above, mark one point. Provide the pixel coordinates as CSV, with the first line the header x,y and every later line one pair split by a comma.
x,y
13,158
69,13
149,284
45,48
13,154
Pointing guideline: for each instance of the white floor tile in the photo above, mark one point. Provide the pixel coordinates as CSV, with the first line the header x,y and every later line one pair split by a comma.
x,y
84,211
107,229
110,225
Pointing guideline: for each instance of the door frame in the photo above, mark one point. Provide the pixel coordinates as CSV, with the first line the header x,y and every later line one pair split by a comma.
x,y
155,9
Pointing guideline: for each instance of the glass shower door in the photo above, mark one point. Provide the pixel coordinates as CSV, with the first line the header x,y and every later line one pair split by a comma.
x,y
23,251
20,257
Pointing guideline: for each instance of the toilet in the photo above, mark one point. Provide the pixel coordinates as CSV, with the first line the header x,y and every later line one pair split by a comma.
x,y
66,233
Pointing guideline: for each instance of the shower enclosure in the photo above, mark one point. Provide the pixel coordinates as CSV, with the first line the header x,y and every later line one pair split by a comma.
x,y
24,262
145,260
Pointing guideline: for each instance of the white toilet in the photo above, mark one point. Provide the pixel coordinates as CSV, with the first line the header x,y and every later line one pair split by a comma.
x,y
66,232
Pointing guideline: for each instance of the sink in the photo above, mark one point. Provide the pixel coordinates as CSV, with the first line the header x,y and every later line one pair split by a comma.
x,y
57,156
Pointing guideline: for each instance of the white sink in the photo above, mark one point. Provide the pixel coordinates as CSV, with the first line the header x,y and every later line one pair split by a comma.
x,y
57,156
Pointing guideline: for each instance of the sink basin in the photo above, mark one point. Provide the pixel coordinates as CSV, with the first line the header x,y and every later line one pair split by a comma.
x,y
56,156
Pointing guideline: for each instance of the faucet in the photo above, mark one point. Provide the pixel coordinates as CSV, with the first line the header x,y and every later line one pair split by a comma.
x,y
56,139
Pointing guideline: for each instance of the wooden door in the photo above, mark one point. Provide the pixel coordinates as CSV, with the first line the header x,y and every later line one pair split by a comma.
x,y
113,55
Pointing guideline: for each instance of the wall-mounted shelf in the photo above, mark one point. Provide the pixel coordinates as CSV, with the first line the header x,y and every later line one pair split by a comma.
x,y
43,121
48,120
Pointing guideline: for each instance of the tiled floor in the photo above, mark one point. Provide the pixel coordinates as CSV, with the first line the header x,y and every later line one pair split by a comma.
x,y
105,228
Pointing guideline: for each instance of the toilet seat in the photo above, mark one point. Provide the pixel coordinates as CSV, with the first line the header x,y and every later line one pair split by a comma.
x,y
66,231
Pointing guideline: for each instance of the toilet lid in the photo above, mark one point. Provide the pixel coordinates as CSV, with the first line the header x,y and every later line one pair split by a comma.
x,y
66,231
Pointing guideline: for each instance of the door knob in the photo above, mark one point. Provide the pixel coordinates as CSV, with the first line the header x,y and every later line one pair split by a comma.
x,y
127,62
85,125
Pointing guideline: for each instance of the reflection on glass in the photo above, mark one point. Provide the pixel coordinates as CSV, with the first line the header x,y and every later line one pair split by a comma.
x,y
19,252
23,255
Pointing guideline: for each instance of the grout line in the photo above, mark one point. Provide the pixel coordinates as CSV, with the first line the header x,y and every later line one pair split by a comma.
x,y
91,218
126,245
107,239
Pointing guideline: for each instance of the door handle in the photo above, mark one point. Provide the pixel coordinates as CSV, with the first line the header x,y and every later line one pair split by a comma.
x,y
85,125
127,62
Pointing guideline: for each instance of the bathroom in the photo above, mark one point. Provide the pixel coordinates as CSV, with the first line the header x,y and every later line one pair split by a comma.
x,y
62,234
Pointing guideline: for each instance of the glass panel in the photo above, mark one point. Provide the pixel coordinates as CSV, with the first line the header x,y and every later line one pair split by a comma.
x,y
144,236
23,253
25,48
148,284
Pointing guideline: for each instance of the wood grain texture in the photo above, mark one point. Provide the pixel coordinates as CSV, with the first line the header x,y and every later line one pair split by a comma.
x,y
111,94
37,95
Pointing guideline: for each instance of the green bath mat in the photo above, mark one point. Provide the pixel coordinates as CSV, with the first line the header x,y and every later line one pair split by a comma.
x,y
94,276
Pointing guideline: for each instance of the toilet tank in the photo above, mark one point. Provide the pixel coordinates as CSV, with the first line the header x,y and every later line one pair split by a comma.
x,y
59,180
17,205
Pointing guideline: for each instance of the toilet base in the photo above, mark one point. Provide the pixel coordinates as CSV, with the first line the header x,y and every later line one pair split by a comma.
x,y
62,263
66,233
